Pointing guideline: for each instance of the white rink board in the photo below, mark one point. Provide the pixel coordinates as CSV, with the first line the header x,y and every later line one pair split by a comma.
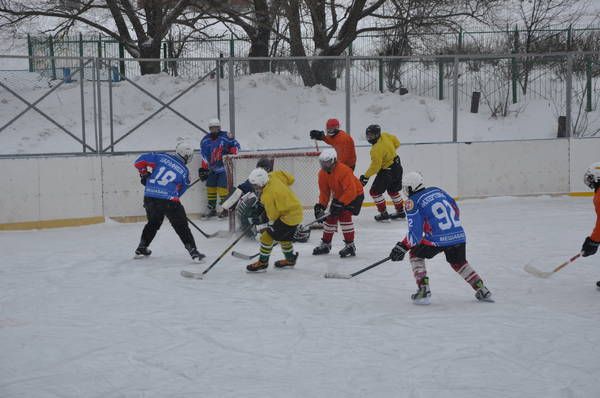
x,y
50,188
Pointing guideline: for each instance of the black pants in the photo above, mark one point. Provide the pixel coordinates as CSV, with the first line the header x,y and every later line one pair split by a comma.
x,y
389,179
156,210
356,205
454,254
282,232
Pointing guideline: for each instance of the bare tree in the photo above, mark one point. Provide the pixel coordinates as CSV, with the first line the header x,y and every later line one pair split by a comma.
x,y
140,25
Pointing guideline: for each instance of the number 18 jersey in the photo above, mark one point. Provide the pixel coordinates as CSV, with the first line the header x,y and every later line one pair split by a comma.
x,y
433,218
169,178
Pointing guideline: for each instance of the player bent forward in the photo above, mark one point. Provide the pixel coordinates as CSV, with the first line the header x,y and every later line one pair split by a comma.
x,y
166,178
592,180
434,227
337,180
284,214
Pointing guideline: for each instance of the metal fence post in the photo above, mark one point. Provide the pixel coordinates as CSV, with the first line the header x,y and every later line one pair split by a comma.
x,y
121,62
231,97
588,84
109,72
569,93
219,70
81,74
441,79
94,98
82,97
52,60
30,52
231,47
99,52
514,68
380,65
348,84
99,91
455,102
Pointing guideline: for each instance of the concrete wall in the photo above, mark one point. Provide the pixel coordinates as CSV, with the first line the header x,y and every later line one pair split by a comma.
x,y
72,187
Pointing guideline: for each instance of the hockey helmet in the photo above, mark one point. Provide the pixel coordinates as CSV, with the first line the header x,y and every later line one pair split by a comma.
x,y
412,182
265,163
591,178
332,126
373,133
258,177
185,150
327,159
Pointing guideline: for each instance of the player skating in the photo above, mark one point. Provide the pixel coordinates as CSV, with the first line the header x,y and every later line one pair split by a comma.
x,y
341,141
213,147
385,164
434,227
337,180
166,178
284,213
592,180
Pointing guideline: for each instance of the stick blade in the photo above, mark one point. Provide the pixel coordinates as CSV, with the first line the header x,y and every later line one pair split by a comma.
x,y
192,275
536,272
335,275
241,255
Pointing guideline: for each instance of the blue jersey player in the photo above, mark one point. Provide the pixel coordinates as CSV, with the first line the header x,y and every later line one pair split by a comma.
x,y
166,178
434,227
213,147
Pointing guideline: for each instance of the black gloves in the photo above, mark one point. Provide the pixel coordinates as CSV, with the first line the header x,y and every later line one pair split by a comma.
x,y
336,207
143,178
319,211
203,174
363,180
316,135
398,252
589,247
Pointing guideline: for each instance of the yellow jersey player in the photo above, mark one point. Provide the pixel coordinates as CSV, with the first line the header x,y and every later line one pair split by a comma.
x,y
283,212
385,164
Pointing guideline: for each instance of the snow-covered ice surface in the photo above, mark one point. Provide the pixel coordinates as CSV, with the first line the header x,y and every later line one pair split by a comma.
x,y
80,318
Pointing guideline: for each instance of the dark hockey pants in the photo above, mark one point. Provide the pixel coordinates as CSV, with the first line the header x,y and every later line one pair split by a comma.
x,y
156,210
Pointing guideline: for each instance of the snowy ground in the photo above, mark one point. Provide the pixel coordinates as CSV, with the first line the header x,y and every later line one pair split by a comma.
x,y
80,318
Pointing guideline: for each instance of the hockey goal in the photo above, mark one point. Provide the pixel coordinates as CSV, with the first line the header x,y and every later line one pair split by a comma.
x,y
304,166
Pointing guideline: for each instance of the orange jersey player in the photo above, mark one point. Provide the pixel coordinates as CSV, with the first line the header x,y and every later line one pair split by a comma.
x,y
338,181
592,180
341,141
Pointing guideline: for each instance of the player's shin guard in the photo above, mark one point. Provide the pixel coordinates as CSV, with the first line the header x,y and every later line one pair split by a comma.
x,y
329,228
419,270
467,273
266,245
398,202
347,226
379,200
212,197
222,193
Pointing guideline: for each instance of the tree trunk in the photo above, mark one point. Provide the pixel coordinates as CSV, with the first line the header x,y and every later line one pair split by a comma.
x,y
324,72
259,47
152,51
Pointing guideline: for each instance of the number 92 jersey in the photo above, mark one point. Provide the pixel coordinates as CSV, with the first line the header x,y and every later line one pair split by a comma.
x,y
169,177
433,219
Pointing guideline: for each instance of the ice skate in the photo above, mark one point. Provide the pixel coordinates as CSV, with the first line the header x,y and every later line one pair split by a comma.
x,y
423,295
382,217
288,262
483,294
399,215
257,266
142,252
197,257
348,250
598,284
323,248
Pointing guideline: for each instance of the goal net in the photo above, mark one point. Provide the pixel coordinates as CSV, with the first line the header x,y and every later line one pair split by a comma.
x,y
304,166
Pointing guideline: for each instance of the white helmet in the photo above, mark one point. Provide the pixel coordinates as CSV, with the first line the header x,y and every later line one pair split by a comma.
x,y
184,149
591,178
214,123
412,182
327,159
258,177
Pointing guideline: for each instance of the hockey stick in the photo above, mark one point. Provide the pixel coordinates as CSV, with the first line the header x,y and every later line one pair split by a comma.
x,y
200,275
545,274
208,236
193,183
335,275
250,257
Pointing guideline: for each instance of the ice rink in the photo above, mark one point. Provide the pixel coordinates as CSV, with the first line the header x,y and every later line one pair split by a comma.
x,y
80,318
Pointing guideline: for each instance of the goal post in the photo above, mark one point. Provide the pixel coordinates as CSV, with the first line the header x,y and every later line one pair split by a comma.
x,y
304,166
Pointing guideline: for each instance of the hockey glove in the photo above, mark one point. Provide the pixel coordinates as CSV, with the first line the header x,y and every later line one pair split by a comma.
x,y
589,247
260,228
398,252
316,135
203,174
363,180
143,178
319,211
336,207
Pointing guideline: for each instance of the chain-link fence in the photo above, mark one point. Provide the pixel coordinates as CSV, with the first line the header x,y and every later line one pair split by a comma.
x,y
93,105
